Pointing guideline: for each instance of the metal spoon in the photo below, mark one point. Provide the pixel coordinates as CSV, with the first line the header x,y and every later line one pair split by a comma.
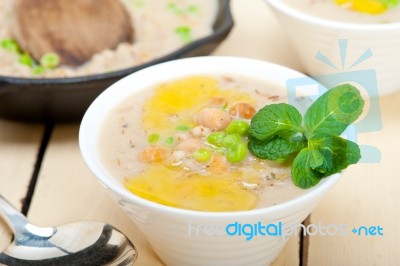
x,y
81,243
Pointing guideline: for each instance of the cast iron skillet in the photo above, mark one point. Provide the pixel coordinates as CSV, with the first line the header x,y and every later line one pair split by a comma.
x,y
66,99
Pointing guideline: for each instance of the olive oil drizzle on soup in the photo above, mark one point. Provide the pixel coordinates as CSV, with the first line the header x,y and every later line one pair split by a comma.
x,y
184,144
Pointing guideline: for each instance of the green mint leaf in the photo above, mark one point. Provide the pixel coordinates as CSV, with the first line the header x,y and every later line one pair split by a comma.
x,y
303,175
278,148
334,110
316,158
338,153
276,133
275,119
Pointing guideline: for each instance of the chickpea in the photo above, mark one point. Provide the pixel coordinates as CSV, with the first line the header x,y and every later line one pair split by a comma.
x,y
180,136
219,164
153,154
242,110
214,119
177,157
217,102
200,131
189,145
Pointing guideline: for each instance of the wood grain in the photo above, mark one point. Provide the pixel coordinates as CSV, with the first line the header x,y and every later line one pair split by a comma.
x,y
290,255
368,194
74,30
19,145
66,192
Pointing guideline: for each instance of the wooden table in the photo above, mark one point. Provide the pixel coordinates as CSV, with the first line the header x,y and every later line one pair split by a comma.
x,y
42,171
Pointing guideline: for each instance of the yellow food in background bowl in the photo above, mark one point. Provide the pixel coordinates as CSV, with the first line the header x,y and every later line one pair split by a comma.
x,y
366,26
365,6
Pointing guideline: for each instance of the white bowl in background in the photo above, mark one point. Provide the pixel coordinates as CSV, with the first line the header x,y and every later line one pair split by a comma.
x,y
311,34
179,236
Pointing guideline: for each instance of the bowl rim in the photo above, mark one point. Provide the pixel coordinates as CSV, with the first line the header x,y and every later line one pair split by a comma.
x,y
217,32
365,27
92,120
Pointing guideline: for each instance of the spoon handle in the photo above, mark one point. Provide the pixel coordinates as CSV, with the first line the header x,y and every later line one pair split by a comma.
x,y
15,220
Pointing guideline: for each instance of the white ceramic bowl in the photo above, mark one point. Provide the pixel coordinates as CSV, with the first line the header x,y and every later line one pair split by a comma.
x,y
310,35
186,237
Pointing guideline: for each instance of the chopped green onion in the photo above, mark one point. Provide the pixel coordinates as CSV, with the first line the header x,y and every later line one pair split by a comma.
x,y
169,141
37,70
10,45
192,9
202,155
138,3
50,60
27,60
182,127
153,138
390,3
172,6
184,33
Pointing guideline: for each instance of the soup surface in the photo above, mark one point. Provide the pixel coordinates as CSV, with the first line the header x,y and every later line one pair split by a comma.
x,y
184,144
160,27
353,11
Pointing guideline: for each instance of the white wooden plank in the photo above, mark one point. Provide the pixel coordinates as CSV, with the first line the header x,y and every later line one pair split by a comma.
x,y
67,192
19,145
290,255
368,194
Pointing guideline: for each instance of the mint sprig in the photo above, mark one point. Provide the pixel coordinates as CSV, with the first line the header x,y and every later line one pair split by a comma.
x,y
275,119
334,111
277,132
278,148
